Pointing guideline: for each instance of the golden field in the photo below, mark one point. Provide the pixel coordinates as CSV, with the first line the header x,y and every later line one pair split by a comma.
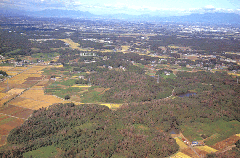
x,y
34,98
180,155
111,106
207,149
181,144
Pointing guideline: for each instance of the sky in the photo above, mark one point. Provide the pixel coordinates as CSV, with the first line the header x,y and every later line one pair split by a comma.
x,y
134,7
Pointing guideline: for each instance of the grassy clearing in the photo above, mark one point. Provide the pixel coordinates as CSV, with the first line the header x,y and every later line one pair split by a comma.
x,y
151,74
171,76
70,82
63,92
49,151
44,56
186,69
216,131
2,116
81,86
140,65
91,96
141,127
6,120
84,126
13,52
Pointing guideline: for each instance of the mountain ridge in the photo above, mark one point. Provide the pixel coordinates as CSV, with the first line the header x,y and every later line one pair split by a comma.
x,y
217,17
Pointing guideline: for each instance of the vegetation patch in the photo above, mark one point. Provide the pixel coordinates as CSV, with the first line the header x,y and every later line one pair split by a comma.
x,y
91,96
216,131
5,121
89,131
49,151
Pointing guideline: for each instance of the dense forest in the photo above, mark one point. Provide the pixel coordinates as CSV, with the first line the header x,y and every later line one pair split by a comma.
x,y
14,43
130,87
206,44
92,131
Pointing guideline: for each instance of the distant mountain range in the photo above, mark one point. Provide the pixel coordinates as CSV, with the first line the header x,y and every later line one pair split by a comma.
x,y
48,13
215,18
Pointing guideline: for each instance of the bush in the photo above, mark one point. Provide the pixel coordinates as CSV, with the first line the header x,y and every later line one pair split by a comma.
x,y
237,144
3,73
67,97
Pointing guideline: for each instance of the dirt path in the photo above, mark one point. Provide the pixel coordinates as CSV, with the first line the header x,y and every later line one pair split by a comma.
x,y
13,116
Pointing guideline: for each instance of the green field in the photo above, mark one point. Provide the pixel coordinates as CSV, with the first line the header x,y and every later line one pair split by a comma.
x,y
44,56
13,52
171,76
215,131
49,151
91,96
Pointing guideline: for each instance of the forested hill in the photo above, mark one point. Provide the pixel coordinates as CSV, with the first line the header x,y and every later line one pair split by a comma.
x,y
92,131
130,86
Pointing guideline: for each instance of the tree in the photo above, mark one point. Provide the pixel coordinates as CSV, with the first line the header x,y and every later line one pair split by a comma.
x,y
237,144
67,97
3,73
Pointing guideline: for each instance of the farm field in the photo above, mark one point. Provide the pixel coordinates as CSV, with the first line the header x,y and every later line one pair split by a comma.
x,y
16,111
203,150
181,144
225,143
24,78
7,123
20,94
180,155
216,132
34,98
189,152
207,149
112,106
72,44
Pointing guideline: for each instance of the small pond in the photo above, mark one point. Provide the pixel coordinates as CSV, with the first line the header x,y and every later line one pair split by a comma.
x,y
188,94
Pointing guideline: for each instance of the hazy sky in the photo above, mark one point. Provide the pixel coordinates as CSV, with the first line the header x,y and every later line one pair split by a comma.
x,y
159,7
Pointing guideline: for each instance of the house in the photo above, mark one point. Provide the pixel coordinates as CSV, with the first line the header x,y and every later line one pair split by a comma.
x,y
87,54
81,77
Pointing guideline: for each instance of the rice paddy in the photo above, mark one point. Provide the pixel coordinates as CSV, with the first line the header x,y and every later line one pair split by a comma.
x,y
180,155
112,106
181,144
207,149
